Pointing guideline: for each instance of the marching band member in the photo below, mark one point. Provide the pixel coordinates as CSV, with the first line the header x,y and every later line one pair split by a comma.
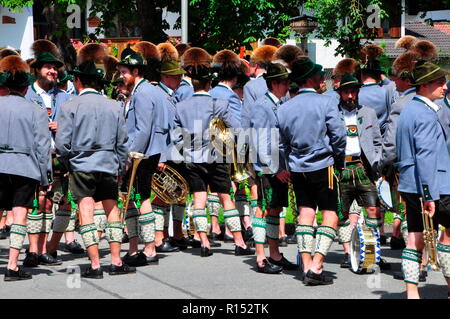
x,y
271,181
25,160
312,141
444,114
185,90
192,119
345,66
423,161
95,155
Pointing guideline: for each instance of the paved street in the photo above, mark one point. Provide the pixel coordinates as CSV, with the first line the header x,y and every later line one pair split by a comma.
x,y
187,276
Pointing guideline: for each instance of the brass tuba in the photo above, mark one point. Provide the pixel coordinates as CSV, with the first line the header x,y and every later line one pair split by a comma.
x,y
170,186
429,238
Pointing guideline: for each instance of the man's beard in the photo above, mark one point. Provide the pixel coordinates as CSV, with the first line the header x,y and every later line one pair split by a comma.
x,y
46,84
349,105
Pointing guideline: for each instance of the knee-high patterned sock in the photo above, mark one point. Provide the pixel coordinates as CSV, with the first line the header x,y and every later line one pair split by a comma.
x,y
200,220
131,220
61,221
375,224
404,230
324,238
411,260
253,205
345,232
178,212
159,212
444,259
147,227
305,238
259,230
213,205
100,220
273,227
232,220
17,236
241,204
166,216
47,222
72,222
35,223
89,235
114,232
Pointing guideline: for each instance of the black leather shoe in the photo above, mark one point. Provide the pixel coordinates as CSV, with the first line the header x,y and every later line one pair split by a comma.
x,y
151,260
135,260
93,273
213,243
247,234
180,243
383,239
228,239
194,243
205,252
74,247
397,243
283,242
166,247
292,239
125,238
268,268
3,233
54,254
384,265
283,262
31,260
20,274
239,251
313,279
346,261
215,236
121,270
47,259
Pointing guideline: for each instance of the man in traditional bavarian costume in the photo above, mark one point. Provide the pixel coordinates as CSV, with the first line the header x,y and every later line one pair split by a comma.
x,y
192,119
423,161
312,141
171,74
95,155
345,66
44,93
271,181
444,114
145,116
362,152
185,90
25,160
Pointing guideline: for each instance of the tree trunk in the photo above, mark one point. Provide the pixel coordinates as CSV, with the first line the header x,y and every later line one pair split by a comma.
x,y
149,19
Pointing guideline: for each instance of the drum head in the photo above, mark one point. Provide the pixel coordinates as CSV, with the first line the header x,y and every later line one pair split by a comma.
x,y
364,249
355,250
384,193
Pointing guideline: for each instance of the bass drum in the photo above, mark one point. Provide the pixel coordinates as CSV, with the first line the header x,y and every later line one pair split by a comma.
x,y
364,249
384,194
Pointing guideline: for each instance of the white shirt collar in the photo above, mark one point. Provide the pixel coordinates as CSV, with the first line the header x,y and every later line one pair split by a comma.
x,y
40,90
224,85
88,90
273,97
428,102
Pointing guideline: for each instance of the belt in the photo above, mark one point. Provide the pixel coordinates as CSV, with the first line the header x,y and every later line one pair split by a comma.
x,y
350,159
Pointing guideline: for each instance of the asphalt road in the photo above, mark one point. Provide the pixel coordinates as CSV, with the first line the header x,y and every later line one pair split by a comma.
x,y
186,275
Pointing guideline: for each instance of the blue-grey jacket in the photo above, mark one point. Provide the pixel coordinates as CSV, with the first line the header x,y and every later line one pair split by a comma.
x,y
380,99
184,91
311,132
265,135
59,98
388,152
169,102
147,120
234,102
92,135
444,116
192,119
392,88
24,139
423,158
253,90
369,134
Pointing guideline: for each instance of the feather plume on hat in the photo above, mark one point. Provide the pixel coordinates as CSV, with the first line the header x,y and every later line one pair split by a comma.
x,y
406,42
110,63
227,59
91,52
289,54
7,52
405,63
42,45
168,52
148,50
13,64
195,57
425,49
371,52
263,54
346,66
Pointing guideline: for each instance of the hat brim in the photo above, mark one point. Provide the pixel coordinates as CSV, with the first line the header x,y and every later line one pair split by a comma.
x,y
281,76
132,65
37,64
317,69
174,72
349,85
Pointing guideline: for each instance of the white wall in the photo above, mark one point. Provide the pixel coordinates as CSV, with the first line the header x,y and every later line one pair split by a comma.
x,y
323,55
438,15
171,18
19,35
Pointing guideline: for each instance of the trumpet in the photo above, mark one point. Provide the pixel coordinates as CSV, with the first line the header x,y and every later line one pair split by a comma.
x,y
136,158
429,238
170,186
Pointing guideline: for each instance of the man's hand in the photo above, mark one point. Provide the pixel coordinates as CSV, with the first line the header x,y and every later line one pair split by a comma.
x,y
161,167
283,176
53,126
429,208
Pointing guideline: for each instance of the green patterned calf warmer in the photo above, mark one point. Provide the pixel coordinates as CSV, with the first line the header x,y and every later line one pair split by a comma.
x,y
444,258
131,220
72,222
253,206
232,220
324,238
373,222
100,220
61,221
259,230
200,220
114,232
47,222
411,260
160,212
345,232
273,227
147,227
213,205
404,230
89,235
178,212
17,236
35,223
242,205
305,238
